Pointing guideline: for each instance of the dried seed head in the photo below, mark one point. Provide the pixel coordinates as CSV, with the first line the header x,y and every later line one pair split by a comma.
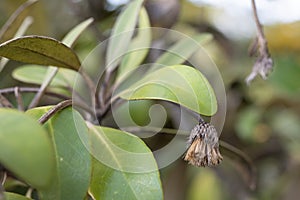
x,y
203,146
262,66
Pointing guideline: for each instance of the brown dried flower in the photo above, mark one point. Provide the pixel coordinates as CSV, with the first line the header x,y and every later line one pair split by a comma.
x,y
203,145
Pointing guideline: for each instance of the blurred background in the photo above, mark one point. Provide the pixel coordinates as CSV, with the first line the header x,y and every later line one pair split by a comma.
x,y
263,120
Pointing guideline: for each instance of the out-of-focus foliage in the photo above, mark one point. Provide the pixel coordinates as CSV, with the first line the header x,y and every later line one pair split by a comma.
x,y
262,119
68,146
288,34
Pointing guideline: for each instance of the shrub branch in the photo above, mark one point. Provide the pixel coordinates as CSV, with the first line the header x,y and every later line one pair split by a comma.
x,y
264,63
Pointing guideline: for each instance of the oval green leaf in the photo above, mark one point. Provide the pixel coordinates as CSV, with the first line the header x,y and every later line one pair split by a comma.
x,y
14,196
25,148
138,49
40,50
110,183
24,26
122,33
35,74
69,40
180,84
73,161
72,36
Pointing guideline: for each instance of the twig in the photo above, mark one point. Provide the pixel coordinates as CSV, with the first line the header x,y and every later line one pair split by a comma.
x,y
54,110
104,89
240,154
4,102
2,181
104,97
91,86
264,63
78,102
29,193
260,32
32,89
103,111
19,98
3,178
2,197
244,157
134,129
49,77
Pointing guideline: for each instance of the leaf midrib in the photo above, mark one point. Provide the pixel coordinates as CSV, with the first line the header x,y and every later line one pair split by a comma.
x,y
116,160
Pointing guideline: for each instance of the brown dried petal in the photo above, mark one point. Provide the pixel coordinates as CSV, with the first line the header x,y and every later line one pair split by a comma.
x,y
203,146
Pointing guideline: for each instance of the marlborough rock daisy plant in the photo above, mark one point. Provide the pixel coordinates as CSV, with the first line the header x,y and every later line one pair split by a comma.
x,y
64,133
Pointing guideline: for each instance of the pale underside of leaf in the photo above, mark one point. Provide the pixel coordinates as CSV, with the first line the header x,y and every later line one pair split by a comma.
x,y
138,49
181,51
180,84
73,35
122,33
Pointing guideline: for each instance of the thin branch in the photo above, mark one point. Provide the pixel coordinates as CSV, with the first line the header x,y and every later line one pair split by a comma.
x,y
2,197
235,151
104,96
29,193
264,63
244,157
102,112
260,32
32,89
91,86
19,98
49,77
4,102
104,89
135,129
79,102
54,110
3,178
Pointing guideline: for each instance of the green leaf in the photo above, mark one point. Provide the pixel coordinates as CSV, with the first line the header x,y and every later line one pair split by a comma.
x,y
11,27
41,51
179,84
118,153
132,113
22,29
182,50
72,36
122,33
25,148
73,162
52,71
35,74
138,49
62,82
13,196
